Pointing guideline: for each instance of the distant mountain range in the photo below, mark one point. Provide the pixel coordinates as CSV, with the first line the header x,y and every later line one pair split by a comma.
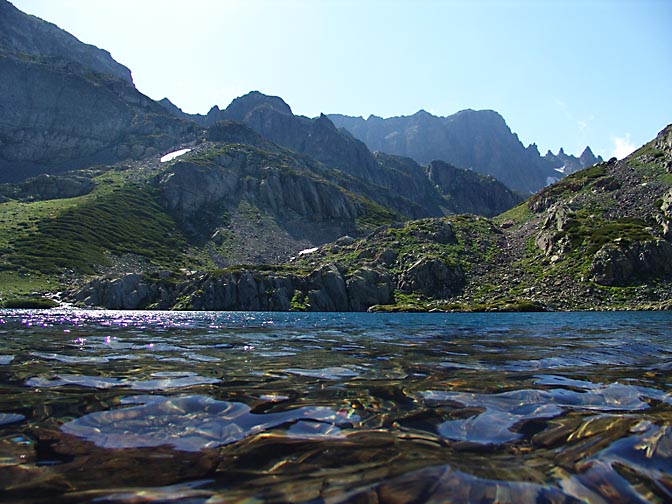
x,y
479,140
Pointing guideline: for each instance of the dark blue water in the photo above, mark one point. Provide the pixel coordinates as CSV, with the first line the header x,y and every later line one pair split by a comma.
x,y
103,406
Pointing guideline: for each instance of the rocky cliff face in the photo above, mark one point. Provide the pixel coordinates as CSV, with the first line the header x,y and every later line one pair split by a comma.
x,y
478,140
60,116
21,33
318,138
199,192
67,105
325,289
467,191
404,183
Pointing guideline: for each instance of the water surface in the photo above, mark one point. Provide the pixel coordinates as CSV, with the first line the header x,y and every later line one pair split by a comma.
x,y
111,406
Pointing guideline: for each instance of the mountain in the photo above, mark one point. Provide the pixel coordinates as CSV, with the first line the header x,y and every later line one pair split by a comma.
x,y
66,104
567,164
261,209
598,239
28,35
478,140
272,118
398,183
469,192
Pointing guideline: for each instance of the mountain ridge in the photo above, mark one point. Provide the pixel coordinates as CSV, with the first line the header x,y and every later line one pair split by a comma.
x,y
476,139
598,239
26,34
263,209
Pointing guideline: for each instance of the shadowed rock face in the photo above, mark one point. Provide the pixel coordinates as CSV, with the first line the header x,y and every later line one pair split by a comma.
x,y
65,104
326,289
196,194
29,35
469,192
272,119
60,116
478,140
621,265
318,138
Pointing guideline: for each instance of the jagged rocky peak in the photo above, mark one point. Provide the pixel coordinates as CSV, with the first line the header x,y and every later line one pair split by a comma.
x,y
324,122
568,163
166,103
533,148
26,34
588,158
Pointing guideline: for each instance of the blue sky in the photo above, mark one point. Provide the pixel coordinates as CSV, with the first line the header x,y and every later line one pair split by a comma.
x,y
564,73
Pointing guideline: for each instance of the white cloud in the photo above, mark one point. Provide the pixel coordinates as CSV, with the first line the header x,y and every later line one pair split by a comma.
x,y
622,146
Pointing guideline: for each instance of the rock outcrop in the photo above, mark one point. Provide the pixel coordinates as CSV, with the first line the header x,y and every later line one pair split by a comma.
x,y
432,277
326,289
566,163
197,193
47,187
618,264
129,292
470,192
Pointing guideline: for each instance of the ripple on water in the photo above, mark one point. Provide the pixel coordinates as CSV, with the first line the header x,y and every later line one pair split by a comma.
x,y
71,359
162,381
7,418
328,373
192,423
502,412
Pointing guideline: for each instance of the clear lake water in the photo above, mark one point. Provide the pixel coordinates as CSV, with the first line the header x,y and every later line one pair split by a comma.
x,y
210,407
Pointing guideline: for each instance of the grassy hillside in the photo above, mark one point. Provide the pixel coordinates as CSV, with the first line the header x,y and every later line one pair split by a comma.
x,y
599,239
126,223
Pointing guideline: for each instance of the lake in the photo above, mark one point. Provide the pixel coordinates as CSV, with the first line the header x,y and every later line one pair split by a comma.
x,y
205,407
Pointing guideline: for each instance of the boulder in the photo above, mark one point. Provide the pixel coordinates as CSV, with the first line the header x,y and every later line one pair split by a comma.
x,y
329,291
128,292
433,277
435,230
555,221
368,287
618,265
46,187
